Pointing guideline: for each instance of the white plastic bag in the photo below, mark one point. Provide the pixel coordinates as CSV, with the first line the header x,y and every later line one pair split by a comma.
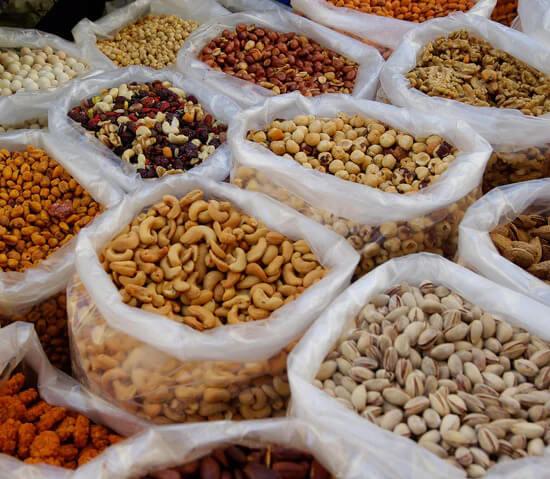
x,y
534,17
21,290
501,206
86,33
247,93
323,193
497,125
94,153
19,345
383,31
18,38
392,456
170,446
14,116
256,5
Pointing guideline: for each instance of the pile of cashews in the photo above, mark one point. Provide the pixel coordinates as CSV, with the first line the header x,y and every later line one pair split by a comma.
x,y
205,264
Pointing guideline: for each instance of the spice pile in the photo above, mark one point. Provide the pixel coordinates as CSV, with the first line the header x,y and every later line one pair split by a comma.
x,y
427,364
235,462
464,68
205,264
359,149
280,62
505,11
155,127
153,41
410,10
42,208
526,242
28,70
39,433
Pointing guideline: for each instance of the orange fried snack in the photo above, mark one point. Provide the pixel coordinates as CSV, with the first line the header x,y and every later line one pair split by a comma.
x,y
39,433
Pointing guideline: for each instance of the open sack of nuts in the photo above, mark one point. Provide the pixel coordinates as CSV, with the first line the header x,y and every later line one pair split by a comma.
x,y
534,16
275,449
145,32
36,67
142,124
504,237
192,294
436,371
50,425
391,181
470,68
384,23
254,55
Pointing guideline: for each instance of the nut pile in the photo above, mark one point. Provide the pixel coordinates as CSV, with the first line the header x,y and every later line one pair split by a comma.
x,y
526,242
50,321
163,390
39,433
155,127
153,41
359,149
512,167
470,70
235,462
427,364
436,232
280,62
410,10
26,69
34,124
42,208
205,264
505,11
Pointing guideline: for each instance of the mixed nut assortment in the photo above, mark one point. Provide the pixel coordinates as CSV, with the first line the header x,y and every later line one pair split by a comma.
x,y
37,432
280,62
50,321
155,127
34,124
526,242
153,41
236,462
161,389
429,365
359,149
205,264
410,10
470,70
31,69
505,11
42,208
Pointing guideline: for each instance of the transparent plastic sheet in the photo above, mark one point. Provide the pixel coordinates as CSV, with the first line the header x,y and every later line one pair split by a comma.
x,y
20,291
499,126
501,206
14,117
257,5
18,38
170,446
86,33
387,454
247,93
534,19
425,220
19,346
384,31
93,152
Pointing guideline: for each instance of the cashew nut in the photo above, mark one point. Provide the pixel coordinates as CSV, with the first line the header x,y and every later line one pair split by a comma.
x,y
196,233
262,301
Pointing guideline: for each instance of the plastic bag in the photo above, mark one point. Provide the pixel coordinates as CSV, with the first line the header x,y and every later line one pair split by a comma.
x,y
19,346
19,291
86,32
384,31
247,93
170,446
18,38
390,455
497,125
501,206
14,117
428,219
93,152
256,5
534,18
